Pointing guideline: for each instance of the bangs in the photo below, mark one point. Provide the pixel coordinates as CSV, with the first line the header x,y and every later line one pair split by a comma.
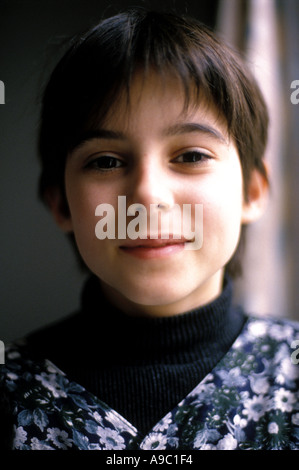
x,y
103,63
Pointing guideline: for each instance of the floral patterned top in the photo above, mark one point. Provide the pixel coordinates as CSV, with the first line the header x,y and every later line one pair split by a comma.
x,y
248,401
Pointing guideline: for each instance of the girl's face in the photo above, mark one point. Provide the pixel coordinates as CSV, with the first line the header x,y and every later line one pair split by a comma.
x,y
154,153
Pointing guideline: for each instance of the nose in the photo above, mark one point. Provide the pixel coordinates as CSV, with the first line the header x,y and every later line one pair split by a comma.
x,y
151,184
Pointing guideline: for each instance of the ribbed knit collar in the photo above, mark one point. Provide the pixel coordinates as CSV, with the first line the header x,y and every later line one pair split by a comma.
x,y
175,339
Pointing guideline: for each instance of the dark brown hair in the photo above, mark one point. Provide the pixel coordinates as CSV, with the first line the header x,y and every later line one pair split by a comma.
x,y
101,62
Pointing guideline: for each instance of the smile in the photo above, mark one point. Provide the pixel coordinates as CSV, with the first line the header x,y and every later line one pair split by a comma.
x,y
150,249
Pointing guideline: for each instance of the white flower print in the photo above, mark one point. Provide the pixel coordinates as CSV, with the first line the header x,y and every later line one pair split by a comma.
x,y
59,438
164,424
203,388
257,328
12,354
233,377
118,422
238,343
256,407
286,370
50,382
208,447
280,332
238,421
284,400
289,370
52,369
228,442
295,419
36,444
259,385
20,437
97,417
111,439
155,441
273,428
12,376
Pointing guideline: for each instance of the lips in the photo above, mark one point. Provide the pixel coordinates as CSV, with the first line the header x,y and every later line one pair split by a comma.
x,y
154,248
154,242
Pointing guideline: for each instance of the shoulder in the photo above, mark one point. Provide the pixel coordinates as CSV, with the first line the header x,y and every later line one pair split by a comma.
x,y
10,374
268,321
14,356
19,370
254,389
21,366
269,347
270,338
32,392
265,356
273,331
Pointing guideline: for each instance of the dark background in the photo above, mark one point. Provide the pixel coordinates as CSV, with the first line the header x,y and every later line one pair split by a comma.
x,y
40,281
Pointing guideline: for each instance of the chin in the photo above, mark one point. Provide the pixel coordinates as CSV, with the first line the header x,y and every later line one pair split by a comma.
x,y
154,297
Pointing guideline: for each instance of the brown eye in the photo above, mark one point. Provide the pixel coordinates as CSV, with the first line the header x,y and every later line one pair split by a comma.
x,y
192,157
105,163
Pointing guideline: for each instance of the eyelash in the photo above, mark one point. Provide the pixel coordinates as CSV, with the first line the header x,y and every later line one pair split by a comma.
x,y
93,164
196,156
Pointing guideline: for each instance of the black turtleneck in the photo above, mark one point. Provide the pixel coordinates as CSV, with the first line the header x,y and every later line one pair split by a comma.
x,y
141,367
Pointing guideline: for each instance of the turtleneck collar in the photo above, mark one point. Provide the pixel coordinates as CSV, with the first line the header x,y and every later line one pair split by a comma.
x,y
172,339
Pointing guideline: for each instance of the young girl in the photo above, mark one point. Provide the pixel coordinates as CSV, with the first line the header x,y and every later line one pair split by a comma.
x,y
147,115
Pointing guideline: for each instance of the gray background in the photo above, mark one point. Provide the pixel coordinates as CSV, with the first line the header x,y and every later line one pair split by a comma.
x,y
40,281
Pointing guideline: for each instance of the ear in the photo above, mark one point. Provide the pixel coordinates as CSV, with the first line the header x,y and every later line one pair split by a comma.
x,y
56,203
257,197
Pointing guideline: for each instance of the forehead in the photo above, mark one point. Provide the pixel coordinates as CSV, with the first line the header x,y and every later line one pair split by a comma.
x,y
153,99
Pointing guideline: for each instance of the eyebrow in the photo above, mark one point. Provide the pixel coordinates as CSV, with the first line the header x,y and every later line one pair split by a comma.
x,y
175,129
194,127
98,134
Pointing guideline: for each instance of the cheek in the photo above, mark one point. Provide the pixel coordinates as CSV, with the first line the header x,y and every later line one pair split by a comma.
x,y
83,198
222,211
82,204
